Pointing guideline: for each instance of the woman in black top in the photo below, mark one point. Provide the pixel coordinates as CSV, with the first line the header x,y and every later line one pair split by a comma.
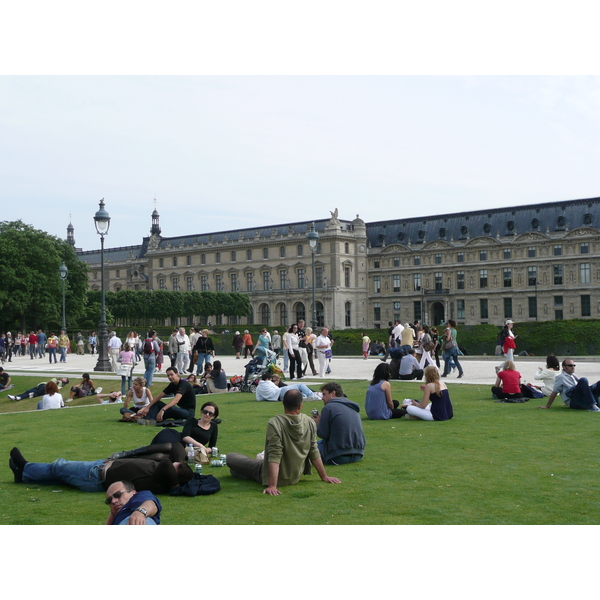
x,y
198,432
202,432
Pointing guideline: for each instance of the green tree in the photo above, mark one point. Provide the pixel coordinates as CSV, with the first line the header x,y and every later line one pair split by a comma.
x,y
31,290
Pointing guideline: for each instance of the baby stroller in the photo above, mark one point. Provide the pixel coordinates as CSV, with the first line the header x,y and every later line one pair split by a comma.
x,y
255,369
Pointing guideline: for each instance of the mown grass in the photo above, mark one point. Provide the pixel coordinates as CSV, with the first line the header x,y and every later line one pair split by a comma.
x,y
491,464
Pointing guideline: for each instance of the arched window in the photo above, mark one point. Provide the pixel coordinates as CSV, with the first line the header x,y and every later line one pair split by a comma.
x,y
320,310
300,312
265,253
265,314
233,256
283,315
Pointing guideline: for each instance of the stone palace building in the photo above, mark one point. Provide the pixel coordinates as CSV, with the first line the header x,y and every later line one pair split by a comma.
x,y
527,263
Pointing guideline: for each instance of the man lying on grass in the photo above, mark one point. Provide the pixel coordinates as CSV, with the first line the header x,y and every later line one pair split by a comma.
x,y
128,507
290,448
156,471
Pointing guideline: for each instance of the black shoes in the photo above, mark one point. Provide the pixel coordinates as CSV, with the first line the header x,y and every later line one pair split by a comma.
x,y
17,464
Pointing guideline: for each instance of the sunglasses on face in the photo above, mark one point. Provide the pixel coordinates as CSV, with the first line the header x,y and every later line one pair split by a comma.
x,y
116,496
570,365
207,412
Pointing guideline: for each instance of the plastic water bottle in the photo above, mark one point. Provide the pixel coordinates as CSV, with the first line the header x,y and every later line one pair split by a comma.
x,y
190,455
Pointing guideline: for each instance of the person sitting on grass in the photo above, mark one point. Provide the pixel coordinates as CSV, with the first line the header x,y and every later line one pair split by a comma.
x,y
548,375
379,403
52,398
129,507
181,406
436,405
508,383
216,380
409,366
290,448
4,379
140,395
85,388
200,433
340,427
575,392
39,389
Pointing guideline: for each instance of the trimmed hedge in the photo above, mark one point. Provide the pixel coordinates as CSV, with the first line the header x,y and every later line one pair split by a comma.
x,y
575,337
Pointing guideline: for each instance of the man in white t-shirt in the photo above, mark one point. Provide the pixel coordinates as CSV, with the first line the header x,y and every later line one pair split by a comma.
x,y
322,345
183,351
268,390
114,347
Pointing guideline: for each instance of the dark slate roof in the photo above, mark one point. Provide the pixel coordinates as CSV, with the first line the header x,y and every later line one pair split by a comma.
x,y
250,233
504,222
92,257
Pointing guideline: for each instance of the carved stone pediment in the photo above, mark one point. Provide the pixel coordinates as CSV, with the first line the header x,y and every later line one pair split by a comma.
x,y
530,236
582,231
438,245
483,240
394,248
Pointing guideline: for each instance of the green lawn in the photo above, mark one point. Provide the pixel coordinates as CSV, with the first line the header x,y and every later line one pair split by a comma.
x,y
491,464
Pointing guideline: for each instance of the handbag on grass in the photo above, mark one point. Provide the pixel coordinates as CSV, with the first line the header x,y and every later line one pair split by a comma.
x,y
200,456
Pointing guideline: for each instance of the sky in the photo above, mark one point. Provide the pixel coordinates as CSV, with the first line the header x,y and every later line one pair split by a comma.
x,y
229,150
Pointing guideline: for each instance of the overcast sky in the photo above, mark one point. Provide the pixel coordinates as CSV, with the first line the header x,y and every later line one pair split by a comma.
x,y
227,151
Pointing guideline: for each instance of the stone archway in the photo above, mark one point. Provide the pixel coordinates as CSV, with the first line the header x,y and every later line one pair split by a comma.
x,y
436,312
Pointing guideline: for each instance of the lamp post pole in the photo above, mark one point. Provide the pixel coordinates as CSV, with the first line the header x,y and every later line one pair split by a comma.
x,y
102,222
63,272
313,237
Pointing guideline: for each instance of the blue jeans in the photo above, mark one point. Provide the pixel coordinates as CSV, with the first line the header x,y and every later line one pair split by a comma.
x,y
63,355
125,380
51,354
449,356
304,390
175,412
82,475
150,365
202,358
344,459
583,396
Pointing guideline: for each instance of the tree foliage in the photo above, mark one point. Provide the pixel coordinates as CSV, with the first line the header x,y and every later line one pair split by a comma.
x,y
31,287
149,306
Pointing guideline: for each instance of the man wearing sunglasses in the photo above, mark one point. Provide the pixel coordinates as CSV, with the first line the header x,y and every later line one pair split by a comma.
x,y
128,507
575,392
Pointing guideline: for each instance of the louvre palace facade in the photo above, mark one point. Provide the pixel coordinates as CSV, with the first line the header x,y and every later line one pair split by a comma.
x,y
527,263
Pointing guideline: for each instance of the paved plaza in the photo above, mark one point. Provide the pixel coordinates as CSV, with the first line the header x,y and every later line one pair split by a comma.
x,y
477,369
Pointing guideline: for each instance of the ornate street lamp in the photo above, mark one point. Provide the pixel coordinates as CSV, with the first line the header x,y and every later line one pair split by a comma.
x,y
102,222
64,273
313,238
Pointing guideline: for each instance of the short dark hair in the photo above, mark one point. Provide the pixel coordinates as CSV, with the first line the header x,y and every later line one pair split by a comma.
x,y
266,375
129,487
331,387
292,400
174,369
184,473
